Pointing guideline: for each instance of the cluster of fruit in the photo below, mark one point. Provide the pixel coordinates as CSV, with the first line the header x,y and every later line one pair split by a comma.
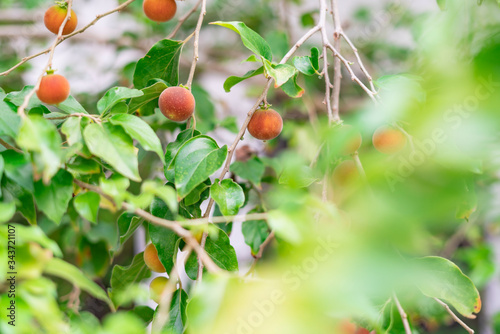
x,y
176,103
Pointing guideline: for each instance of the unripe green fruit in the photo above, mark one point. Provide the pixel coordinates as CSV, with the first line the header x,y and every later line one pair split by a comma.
x,y
157,287
54,17
388,140
177,103
265,124
159,10
152,260
54,89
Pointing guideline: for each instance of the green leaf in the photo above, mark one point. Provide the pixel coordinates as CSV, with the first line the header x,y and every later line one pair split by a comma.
x,y
9,120
24,200
164,192
7,211
113,145
230,123
234,80
251,170
195,161
196,194
442,4
228,195
298,176
146,313
26,234
39,135
309,65
173,148
177,317
151,93
114,96
165,240
72,106
442,279
292,89
204,109
122,277
72,130
18,168
255,233
87,205
140,131
64,270
220,251
281,72
161,61
53,199
116,187
17,99
252,40
128,223
84,166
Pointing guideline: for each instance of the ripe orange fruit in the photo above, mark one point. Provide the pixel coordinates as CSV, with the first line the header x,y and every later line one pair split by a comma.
x,y
54,17
159,10
54,89
152,260
265,124
177,103
388,140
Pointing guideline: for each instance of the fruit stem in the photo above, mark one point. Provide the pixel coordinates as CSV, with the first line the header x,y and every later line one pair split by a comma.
x,y
62,4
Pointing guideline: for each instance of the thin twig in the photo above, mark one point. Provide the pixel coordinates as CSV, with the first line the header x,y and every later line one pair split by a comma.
x,y
337,74
63,38
172,225
258,256
404,316
9,146
89,116
196,43
360,62
454,316
52,49
183,19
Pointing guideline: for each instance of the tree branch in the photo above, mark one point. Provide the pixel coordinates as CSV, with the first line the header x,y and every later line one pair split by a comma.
x,y
172,225
404,316
63,38
183,19
197,42
9,146
454,316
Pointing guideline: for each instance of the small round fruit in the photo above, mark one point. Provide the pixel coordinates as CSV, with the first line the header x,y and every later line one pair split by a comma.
x,y
152,260
54,17
350,138
265,124
388,140
177,103
159,10
54,89
345,173
157,287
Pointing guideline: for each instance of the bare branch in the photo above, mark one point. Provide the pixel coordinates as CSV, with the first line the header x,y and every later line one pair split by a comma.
x,y
404,316
172,225
183,19
196,43
454,316
63,38
9,146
